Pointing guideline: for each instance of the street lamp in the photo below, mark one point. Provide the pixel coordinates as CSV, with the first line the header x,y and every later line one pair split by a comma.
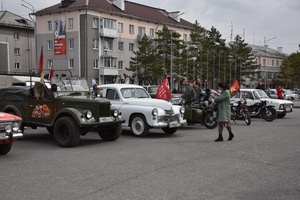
x,y
31,8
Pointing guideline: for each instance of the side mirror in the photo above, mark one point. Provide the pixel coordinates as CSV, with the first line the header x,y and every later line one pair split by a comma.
x,y
53,88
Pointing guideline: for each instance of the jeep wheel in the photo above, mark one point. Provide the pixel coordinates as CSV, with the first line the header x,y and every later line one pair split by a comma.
x,y
66,132
5,148
111,134
168,130
139,126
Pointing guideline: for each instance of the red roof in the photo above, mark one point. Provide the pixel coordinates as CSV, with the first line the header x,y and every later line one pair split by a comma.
x,y
132,10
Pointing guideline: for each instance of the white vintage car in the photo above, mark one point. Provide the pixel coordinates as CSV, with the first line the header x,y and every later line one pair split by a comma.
x,y
140,111
254,95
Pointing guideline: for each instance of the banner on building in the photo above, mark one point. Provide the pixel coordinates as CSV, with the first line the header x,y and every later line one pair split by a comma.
x,y
60,36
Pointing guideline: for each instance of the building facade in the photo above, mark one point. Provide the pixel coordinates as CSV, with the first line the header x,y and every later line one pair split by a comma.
x,y
270,61
96,38
17,50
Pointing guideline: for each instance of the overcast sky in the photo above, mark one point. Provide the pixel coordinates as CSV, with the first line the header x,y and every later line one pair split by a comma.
x,y
257,21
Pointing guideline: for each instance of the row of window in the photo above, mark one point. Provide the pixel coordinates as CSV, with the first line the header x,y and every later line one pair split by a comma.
x,y
70,24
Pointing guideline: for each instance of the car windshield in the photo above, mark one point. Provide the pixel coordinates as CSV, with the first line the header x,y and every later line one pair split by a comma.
x,y
262,94
134,93
71,85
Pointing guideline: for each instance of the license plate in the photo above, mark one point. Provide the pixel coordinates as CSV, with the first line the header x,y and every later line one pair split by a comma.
x,y
106,119
2,135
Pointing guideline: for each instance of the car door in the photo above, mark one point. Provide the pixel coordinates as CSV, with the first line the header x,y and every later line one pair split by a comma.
x,y
41,105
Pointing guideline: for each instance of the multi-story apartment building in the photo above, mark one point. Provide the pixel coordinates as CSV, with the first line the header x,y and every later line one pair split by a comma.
x,y
17,51
270,61
96,38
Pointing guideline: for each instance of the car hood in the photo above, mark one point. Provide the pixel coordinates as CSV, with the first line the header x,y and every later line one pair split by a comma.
x,y
280,101
150,102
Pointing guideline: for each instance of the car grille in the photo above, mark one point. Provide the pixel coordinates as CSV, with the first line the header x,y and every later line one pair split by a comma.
x,y
169,112
3,125
168,118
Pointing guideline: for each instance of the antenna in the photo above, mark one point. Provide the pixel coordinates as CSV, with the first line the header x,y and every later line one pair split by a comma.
x,y
231,32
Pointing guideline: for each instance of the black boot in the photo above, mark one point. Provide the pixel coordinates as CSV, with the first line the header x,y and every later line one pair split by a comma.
x,y
219,139
230,136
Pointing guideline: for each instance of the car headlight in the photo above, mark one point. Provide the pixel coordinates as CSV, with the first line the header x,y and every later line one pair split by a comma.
x,y
281,107
15,126
116,113
154,111
182,110
8,129
88,114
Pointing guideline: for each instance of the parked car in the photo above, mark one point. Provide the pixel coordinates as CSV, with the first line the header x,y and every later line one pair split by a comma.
x,y
68,111
141,112
176,97
290,95
9,131
254,95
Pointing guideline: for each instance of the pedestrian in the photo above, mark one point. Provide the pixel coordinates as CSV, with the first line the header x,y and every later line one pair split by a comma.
x,y
279,91
224,111
260,85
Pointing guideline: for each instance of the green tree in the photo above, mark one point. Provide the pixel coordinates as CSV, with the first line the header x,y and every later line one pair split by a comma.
x,y
242,61
145,63
289,74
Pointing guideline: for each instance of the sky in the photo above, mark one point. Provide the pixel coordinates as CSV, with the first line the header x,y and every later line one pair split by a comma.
x,y
259,22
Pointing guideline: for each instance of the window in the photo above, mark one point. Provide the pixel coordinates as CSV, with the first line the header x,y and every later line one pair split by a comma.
x,y
71,63
17,51
131,29
16,36
49,63
121,46
17,66
152,32
131,46
49,44
95,23
71,23
71,43
272,63
120,64
185,37
142,31
109,23
96,64
108,62
120,27
108,44
49,25
95,44
264,62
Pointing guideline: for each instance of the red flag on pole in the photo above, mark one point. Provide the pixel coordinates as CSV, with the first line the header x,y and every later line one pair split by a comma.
x,y
164,91
234,88
51,72
41,62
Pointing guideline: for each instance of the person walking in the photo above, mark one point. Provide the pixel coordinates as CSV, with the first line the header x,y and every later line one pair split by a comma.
x,y
224,111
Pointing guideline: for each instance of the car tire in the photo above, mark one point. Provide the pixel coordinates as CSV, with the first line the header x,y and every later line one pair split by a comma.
x,y
5,148
50,130
139,126
282,114
111,134
66,132
168,130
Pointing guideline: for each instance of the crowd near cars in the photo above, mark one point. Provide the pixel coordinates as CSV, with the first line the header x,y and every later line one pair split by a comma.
x,y
68,108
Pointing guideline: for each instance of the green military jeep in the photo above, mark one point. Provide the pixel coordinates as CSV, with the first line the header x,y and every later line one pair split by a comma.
x,y
67,109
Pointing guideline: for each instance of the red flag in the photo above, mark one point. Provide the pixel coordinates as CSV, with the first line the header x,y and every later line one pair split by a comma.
x,y
164,91
51,72
41,62
234,88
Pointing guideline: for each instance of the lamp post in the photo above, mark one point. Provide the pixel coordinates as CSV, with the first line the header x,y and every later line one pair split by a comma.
x,y
31,8
207,68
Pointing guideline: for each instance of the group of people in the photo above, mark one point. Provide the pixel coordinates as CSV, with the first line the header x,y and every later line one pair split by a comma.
x,y
279,90
223,110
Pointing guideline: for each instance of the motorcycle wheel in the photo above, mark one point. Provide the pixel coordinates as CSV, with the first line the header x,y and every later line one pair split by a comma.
x,y
209,121
269,114
246,117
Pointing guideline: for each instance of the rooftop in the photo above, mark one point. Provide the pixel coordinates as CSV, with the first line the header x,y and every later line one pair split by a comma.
x,y
12,20
131,10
